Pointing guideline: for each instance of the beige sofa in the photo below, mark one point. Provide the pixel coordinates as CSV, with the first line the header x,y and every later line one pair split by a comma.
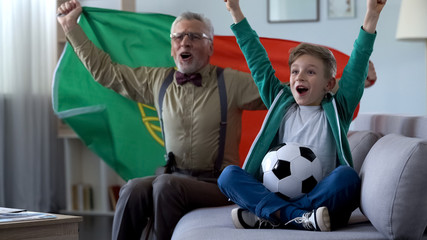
x,y
390,154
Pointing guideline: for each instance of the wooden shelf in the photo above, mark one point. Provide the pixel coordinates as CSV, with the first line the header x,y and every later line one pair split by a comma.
x,y
64,131
84,167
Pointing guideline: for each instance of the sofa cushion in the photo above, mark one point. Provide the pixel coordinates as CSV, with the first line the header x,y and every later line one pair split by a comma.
x,y
360,144
215,223
393,194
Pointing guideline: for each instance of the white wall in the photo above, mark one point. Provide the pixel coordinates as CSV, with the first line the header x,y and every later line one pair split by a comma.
x,y
400,65
111,4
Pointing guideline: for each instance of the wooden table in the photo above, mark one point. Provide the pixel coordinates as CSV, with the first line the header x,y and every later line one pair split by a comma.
x,y
62,227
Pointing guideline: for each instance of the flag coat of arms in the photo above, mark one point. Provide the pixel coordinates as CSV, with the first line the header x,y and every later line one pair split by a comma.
x,y
124,133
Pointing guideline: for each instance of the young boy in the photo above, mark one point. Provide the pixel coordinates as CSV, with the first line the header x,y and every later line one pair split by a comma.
x,y
303,112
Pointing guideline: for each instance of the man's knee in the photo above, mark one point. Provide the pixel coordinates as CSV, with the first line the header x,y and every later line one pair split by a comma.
x,y
166,184
136,189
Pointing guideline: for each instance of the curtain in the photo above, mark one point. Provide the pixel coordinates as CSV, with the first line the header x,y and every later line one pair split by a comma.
x,y
31,155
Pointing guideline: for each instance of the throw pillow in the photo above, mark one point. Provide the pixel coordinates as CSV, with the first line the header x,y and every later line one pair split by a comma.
x,y
361,143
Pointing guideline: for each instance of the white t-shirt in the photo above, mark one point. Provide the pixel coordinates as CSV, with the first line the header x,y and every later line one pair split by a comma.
x,y
308,125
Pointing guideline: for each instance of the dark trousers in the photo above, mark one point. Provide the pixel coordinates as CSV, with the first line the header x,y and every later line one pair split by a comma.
x,y
339,192
161,200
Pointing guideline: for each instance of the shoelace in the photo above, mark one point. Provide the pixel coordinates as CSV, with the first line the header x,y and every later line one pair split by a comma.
x,y
304,221
265,224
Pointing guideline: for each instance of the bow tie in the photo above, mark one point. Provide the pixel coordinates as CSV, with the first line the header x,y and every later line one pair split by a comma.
x,y
195,78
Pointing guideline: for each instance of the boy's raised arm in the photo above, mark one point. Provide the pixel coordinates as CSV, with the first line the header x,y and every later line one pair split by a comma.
x,y
233,7
374,8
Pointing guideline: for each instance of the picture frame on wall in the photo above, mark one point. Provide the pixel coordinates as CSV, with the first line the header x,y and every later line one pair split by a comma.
x,y
341,9
279,11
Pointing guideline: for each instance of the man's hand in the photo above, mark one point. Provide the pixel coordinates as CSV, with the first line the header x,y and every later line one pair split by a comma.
x,y
372,75
68,13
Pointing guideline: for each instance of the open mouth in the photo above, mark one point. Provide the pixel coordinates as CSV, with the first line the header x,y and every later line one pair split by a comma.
x,y
185,55
301,89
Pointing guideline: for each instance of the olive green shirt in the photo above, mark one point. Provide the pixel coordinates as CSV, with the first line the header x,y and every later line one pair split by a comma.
x,y
191,115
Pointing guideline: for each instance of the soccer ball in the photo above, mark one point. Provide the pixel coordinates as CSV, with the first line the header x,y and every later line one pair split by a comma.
x,y
291,169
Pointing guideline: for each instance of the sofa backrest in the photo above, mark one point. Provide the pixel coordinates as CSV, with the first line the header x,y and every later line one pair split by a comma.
x,y
409,126
393,174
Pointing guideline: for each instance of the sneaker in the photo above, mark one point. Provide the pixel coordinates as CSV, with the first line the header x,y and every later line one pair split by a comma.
x,y
244,219
316,220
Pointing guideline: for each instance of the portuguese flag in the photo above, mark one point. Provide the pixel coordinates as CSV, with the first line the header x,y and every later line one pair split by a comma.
x,y
124,133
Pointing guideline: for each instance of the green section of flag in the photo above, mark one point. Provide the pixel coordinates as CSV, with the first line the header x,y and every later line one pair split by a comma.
x,y
109,124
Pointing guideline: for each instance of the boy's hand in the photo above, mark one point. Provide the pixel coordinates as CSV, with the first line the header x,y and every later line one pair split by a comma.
x,y
233,7
231,4
68,13
374,8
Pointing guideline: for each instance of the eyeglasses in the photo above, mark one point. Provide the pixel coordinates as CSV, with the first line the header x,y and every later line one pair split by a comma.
x,y
178,37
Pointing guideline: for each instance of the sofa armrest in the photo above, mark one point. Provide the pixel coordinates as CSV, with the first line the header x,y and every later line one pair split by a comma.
x,y
393,193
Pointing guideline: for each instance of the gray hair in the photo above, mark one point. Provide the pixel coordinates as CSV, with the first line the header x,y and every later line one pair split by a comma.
x,y
195,16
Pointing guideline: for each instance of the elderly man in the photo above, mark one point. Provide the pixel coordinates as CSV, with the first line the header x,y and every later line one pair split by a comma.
x,y
200,107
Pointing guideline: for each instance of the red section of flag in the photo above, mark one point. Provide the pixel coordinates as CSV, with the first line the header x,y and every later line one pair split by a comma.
x,y
227,54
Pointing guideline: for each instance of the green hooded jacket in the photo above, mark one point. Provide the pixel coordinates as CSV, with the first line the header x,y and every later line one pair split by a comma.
x,y
278,98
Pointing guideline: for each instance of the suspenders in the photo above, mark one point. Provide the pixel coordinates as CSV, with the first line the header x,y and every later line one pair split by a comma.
x,y
223,123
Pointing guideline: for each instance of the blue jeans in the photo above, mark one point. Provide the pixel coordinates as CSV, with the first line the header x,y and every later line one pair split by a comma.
x,y
339,192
